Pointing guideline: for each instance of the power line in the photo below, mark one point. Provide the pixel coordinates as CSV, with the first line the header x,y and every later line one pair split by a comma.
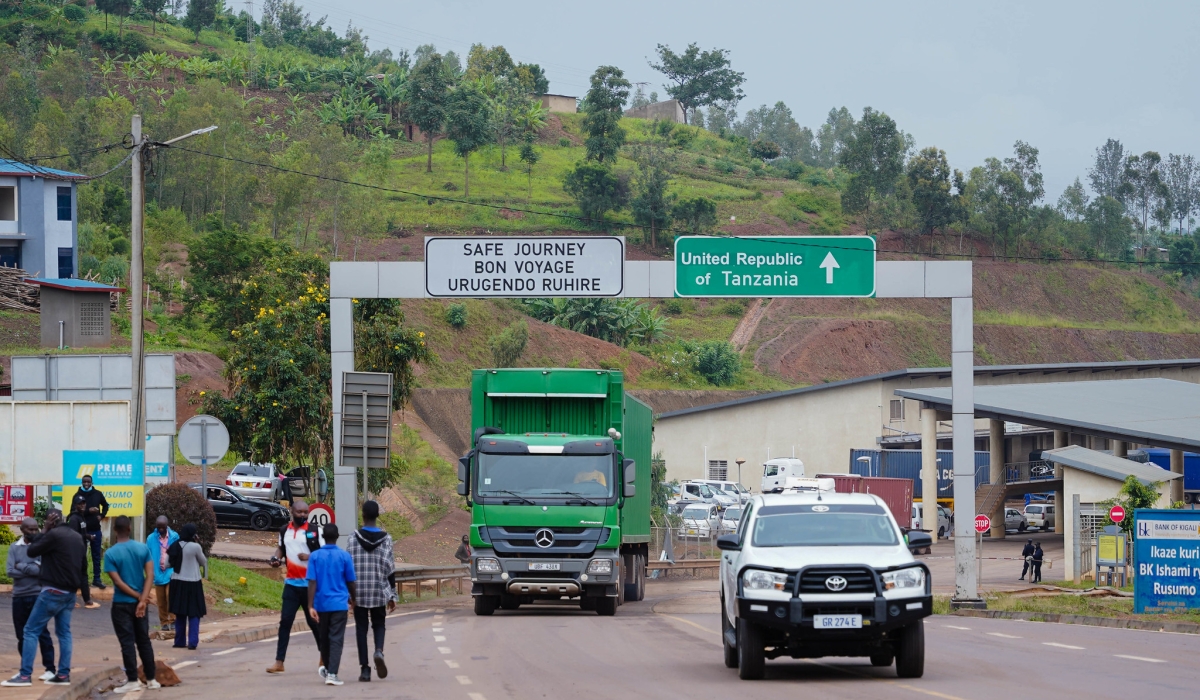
x,y
431,198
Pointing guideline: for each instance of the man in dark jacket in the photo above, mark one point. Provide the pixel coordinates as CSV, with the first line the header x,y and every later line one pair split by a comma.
x,y
1026,552
77,521
25,572
95,509
1037,563
375,567
60,550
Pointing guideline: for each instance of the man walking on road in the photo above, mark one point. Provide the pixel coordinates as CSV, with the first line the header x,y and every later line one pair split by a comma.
x,y
330,594
463,553
1037,563
95,509
159,541
375,568
60,550
296,543
131,568
1026,553
24,572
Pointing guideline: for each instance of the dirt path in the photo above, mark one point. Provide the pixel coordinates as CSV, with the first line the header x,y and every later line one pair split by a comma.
x,y
436,545
749,324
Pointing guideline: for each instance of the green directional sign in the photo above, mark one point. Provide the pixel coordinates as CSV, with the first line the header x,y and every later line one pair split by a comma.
x,y
775,266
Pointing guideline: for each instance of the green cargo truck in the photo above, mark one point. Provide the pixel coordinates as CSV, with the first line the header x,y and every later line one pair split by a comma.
x,y
559,480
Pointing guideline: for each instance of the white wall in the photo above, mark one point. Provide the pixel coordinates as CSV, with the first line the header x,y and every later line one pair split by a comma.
x,y
1091,489
11,227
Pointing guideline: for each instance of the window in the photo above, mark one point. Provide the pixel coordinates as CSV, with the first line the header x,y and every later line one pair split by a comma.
x,y
771,470
10,254
64,203
66,263
8,203
91,318
897,410
717,469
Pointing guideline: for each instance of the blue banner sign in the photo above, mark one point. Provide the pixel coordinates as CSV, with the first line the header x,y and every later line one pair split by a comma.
x,y
1167,553
106,467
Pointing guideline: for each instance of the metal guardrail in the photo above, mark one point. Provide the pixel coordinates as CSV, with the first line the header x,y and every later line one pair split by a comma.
x,y
694,565
419,576
1025,472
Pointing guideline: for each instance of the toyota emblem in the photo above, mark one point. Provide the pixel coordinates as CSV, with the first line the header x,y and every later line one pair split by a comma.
x,y
544,538
836,583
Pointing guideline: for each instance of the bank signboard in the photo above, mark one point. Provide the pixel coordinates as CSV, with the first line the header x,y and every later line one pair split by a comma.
x,y
524,266
119,474
1167,553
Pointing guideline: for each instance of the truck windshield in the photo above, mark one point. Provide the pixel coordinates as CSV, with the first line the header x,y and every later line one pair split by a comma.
x,y
546,475
823,529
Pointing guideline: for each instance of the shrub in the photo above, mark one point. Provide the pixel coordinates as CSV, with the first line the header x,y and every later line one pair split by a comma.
x,y
718,362
596,189
133,44
7,536
182,504
564,142
697,214
672,306
764,150
724,166
74,13
508,345
456,315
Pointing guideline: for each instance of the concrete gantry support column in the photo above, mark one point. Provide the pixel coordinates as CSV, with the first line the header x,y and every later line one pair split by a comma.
x,y
998,472
1176,468
929,470
1060,440
962,382
341,324
1120,448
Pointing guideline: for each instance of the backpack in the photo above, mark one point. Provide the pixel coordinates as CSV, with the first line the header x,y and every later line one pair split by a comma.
x,y
175,556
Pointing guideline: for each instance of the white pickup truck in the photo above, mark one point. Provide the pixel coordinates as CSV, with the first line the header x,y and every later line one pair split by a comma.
x,y
812,573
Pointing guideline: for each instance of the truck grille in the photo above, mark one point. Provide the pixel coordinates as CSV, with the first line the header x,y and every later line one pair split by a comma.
x,y
858,580
568,541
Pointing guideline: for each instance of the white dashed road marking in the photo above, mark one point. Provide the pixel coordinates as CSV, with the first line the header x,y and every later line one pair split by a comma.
x,y
438,638
1002,635
228,651
476,696
956,627
1063,646
1140,658
463,680
444,650
437,629
181,664
451,664
268,641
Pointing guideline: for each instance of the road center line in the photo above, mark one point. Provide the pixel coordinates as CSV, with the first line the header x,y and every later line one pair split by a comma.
x,y
1002,635
956,627
463,680
451,664
444,650
1140,658
438,638
693,624
182,664
476,696
852,672
1063,646
228,651
437,629
405,614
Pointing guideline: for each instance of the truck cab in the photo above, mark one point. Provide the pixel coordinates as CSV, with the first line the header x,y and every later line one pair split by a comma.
x,y
776,472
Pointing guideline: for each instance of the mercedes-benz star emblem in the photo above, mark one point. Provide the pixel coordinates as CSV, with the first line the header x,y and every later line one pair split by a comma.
x,y
544,538
836,583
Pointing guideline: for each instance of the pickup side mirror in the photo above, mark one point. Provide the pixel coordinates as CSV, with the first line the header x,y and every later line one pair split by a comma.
x,y
918,540
728,542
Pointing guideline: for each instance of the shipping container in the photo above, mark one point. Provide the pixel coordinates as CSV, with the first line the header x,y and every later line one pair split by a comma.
x,y
906,464
1191,466
896,493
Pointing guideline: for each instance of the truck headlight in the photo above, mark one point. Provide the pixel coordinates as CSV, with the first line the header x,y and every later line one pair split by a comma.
x,y
759,580
600,566
913,577
487,565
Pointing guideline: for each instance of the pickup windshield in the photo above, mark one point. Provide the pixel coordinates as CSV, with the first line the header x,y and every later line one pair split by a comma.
x,y
546,475
823,529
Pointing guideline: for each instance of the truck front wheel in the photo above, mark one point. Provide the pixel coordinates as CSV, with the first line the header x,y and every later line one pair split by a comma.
x,y
752,660
486,604
606,606
910,656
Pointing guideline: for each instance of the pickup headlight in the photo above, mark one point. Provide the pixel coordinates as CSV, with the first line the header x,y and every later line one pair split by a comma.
x,y
759,580
600,566
487,565
913,577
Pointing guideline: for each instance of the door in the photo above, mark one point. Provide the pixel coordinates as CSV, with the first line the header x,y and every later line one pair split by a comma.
x,y
730,563
228,509
770,479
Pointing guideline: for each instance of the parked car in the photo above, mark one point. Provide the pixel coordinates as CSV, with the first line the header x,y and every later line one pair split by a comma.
x,y
731,488
697,491
234,511
719,495
918,520
700,521
258,481
730,519
1013,520
1040,516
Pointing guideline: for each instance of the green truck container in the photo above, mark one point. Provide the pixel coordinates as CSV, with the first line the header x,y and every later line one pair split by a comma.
x,y
558,478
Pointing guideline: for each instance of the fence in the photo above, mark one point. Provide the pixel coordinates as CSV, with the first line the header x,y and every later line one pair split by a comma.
x,y
420,576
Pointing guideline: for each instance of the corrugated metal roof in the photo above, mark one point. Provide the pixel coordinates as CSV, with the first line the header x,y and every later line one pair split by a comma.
x,y
1152,411
16,168
920,372
1103,464
73,285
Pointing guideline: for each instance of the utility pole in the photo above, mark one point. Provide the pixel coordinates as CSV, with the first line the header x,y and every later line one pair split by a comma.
x,y
137,349
250,37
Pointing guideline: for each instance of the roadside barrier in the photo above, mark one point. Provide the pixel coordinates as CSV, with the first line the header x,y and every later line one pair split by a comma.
x,y
433,576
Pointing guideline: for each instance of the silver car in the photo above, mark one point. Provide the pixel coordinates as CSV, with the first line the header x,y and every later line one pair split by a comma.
x,y
257,481
700,522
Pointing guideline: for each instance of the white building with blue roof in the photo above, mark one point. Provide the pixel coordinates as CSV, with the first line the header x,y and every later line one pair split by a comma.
x,y
39,223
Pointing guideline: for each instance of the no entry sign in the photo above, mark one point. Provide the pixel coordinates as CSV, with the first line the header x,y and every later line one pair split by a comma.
x,y
982,523
1116,514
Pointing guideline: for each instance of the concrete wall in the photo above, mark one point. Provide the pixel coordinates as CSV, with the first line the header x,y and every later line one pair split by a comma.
x,y
57,234
560,103
31,220
61,305
670,110
1091,489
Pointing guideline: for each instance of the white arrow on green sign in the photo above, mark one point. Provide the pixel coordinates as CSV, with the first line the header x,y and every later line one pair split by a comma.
x,y
775,266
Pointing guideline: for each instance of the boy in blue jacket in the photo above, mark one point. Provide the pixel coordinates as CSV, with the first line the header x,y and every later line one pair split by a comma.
x,y
330,595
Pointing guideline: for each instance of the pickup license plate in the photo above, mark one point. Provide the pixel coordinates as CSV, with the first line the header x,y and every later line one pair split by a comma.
x,y
837,622
544,566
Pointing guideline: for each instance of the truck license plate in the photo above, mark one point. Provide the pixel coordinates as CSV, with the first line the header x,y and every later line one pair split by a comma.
x,y
837,622
544,566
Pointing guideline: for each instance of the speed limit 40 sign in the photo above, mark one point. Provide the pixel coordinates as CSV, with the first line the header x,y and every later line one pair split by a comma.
x,y
320,515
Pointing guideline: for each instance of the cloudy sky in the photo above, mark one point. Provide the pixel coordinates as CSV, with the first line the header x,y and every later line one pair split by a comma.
x,y
968,78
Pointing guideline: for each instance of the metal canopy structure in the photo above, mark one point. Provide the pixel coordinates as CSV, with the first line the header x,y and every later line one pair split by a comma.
x,y
1101,464
941,279
1159,412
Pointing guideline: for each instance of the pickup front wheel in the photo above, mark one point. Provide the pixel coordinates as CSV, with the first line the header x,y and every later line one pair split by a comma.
x,y
752,660
910,652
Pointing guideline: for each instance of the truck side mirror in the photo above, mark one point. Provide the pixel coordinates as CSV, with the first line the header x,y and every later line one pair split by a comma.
x,y
461,489
464,474
630,477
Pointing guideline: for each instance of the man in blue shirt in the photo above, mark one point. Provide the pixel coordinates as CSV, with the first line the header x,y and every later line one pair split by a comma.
x,y
131,568
330,594
159,541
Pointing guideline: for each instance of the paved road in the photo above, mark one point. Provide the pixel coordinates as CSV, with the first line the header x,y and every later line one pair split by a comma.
x,y
668,647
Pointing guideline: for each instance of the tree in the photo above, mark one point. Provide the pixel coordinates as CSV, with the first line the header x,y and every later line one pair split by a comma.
x,y
929,179
697,214
1108,173
427,93
183,504
602,113
529,156
468,125
1107,224
718,362
382,343
652,205
508,345
1183,182
596,189
1185,256
700,78
225,263
154,7
1134,495
483,61
200,14
875,158
1002,195
1072,204
776,124
1145,187
533,78
509,104
834,136
765,150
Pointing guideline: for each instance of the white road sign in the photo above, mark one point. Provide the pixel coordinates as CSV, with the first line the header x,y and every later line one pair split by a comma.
x,y
528,266
203,440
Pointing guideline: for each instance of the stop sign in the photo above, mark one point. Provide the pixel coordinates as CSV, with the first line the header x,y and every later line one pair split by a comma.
x,y
982,523
1116,514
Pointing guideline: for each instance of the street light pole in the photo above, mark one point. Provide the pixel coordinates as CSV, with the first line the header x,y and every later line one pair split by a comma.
x,y
137,340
